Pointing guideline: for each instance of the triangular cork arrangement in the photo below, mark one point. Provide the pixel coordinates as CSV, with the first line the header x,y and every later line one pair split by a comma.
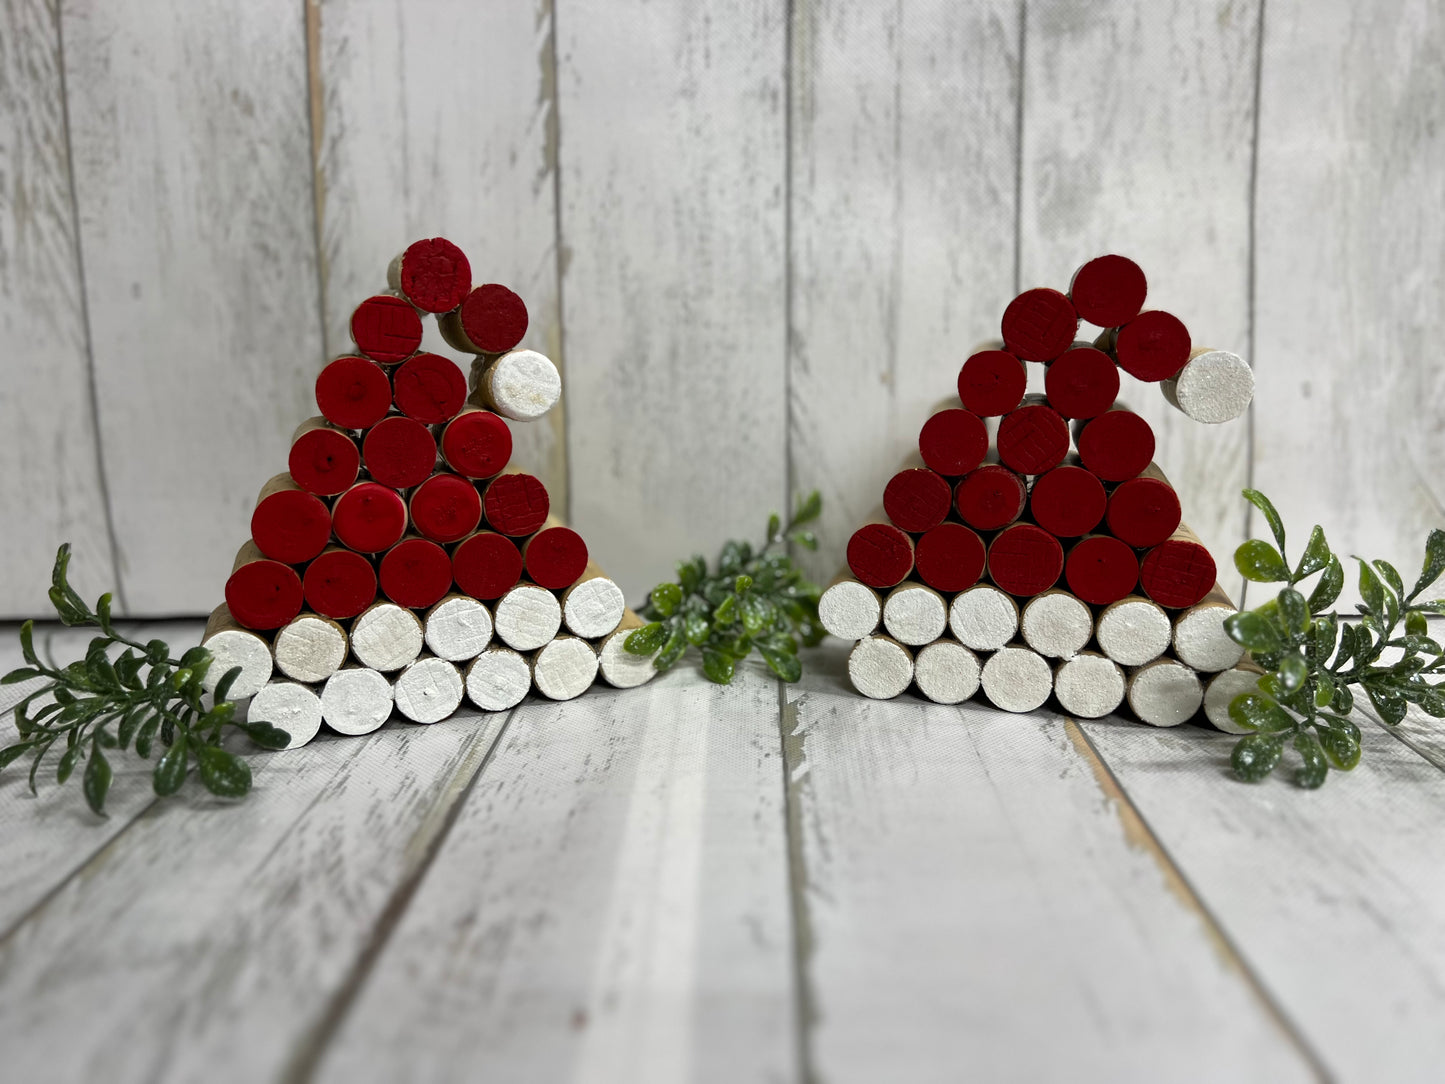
x,y
1034,548
400,564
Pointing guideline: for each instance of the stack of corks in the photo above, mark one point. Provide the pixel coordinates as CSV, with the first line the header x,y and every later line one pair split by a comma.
x,y
1034,549
400,563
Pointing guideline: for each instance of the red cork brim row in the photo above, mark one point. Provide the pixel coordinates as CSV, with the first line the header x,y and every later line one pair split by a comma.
x,y
356,393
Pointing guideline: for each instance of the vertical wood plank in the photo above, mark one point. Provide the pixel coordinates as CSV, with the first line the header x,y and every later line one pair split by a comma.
x,y
672,212
51,488
610,905
1350,433
1138,124
904,148
438,117
193,179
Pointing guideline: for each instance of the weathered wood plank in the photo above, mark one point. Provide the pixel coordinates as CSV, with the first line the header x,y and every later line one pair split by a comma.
x,y
1351,271
1138,126
611,904
193,179
904,144
1336,897
51,483
959,864
438,117
672,163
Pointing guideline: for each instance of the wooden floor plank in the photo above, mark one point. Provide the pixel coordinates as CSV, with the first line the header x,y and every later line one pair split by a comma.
x,y
1336,896
975,897
610,905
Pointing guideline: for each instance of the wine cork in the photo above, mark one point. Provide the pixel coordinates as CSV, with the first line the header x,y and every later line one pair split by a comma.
x,y
1133,631
1116,445
946,672
399,452
353,393
476,443
1068,501
498,679
527,617
490,320
1143,511
914,615
992,382
1150,347
917,499
356,700
386,637
386,328
324,459
1016,678
1108,291
521,385
1082,383
429,690
369,518
1215,386
415,573
1039,325
1034,438
429,388
433,274
593,606
231,645
620,668
880,555
339,584
555,557
486,565
983,618
564,668
1178,572
1056,624
289,706
1025,560
516,504
1165,693
262,594
1089,686
1199,637
458,628
950,557
288,524
1222,690
990,497
880,667
311,648
953,442
1101,570
445,508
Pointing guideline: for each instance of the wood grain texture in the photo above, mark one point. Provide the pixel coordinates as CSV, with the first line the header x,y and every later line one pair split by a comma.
x,y
672,168
439,118
1351,273
51,481
955,863
902,243
1361,863
611,903
194,189
1137,140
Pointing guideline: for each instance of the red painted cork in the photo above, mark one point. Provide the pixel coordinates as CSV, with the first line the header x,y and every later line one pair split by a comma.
x,y
399,452
264,594
477,443
516,504
1177,573
992,382
324,461
991,497
487,565
917,500
1032,439
434,275
555,557
1108,291
1082,383
369,518
340,584
880,555
415,573
1153,346
446,508
430,388
353,393
1068,501
1039,325
1025,560
950,557
1101,570
291,526
491,320
386,328
953,442
1116,445
1143,512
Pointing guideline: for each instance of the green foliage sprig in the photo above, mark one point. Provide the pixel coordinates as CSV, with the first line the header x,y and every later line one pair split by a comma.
x,y
143,694
1312,659
755,599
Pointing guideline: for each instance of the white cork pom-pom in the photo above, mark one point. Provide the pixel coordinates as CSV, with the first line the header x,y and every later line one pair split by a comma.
x,y
386,637
1089,686
429,690
458,628
523,385
356,700
1214,386
1134,631
593,608
1201,642
983,618
564,668
850,610
621,668
310,648
527,617
1165,693
1223,688
914,615
879,667
1017,678
235,647
1057,625
498,679
292,707
946,672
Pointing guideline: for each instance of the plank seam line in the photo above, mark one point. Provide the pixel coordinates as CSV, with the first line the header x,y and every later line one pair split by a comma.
x,y
316,129
789,71
804,1003
1019,150
1115,790
317,1041
558,253
1252,273
1404,739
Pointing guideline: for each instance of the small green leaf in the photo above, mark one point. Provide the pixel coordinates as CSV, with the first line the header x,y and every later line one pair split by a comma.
x,y
1255,756
1292,672
1315,769
1260,562
1263,503
757,614
157,652
742,584
1342,749
223,687
102,614
1294,611
646,640
807,539
223,773
1344,701
1255,712
170,770
1371,590
1389,703
27,643
666,598
1252,632
1415,624
717,666
1390,576
146,735
96,782
808,508
775,524
1434,561
671,650
67,762
11,754
696,628
267,736
1329,587
724,613
17,676
785,665
1316,555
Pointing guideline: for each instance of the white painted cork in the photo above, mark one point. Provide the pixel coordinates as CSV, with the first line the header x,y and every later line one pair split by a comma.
x,y
429,690
879,667
1222,690
946,672
850,610
458,628
983,618
527,617
620,668
1214,386
293,707
1134,631
1089,686
1057,625
522,385
1165,693
386,637
356,700
498,679
1017,678
593,608
564,668
914,615
1200,640
311,648
236,647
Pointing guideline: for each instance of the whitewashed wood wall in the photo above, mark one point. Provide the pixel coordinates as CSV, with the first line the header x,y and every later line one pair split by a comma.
x,y
759,236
